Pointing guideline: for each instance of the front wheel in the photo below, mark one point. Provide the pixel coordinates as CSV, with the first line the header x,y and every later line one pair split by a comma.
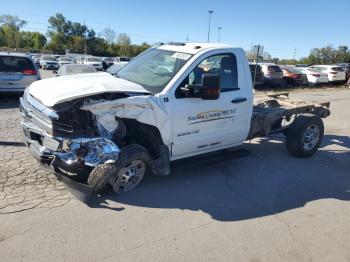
x,y
123,175
304,136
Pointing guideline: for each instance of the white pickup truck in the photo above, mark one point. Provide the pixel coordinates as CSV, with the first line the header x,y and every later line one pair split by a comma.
x,y
172,101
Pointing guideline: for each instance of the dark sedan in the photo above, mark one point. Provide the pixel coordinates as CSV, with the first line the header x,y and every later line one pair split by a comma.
x,y
294,77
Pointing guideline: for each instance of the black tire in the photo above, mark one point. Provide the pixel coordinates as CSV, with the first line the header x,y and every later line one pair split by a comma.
x,y
106,172
295,134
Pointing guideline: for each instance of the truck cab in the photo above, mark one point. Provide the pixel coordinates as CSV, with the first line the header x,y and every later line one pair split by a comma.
x,y
201,124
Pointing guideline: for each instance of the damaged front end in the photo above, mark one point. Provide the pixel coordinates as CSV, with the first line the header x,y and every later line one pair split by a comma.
x,y
70,151
85,152
77,137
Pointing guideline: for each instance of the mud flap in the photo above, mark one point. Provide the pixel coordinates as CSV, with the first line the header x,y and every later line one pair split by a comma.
x,y
161,165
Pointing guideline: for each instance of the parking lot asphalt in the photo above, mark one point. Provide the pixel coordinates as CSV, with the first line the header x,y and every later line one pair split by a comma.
x,y
261,206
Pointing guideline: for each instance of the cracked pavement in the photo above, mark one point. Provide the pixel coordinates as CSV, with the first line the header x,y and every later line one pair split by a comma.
x,y
264,206
23,184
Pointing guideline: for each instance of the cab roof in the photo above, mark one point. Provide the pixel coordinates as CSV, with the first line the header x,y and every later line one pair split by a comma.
x,y
191,48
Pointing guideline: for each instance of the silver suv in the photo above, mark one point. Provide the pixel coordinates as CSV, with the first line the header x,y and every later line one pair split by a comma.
x,y
16,72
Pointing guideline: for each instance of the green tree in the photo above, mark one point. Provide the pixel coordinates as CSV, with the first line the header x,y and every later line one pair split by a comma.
x,y
65,34
2,37
57,42
144,46
59,24
77,45
33,40
11,25
96,45
287,61
342,54
77,29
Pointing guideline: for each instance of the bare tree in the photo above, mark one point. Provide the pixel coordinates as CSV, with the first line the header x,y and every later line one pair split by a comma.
x,y
123,39
109,35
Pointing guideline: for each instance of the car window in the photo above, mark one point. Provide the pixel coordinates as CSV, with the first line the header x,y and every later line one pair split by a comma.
x,y
15,64
317,69
49,58
124,59
274,69
338,69
225,65
293,70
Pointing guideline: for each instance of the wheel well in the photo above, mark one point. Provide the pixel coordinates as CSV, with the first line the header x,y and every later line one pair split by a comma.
x,y
145,135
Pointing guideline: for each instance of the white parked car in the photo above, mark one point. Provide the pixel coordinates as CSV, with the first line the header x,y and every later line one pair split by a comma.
x,y
73,69
65,61
79,60
335,73
93,61
49,62
314,77
122,59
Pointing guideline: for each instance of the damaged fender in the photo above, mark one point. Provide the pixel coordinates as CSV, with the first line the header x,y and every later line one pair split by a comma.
x,y
146,109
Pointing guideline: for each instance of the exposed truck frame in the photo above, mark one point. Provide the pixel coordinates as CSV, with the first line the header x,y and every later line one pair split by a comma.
x,y
270,110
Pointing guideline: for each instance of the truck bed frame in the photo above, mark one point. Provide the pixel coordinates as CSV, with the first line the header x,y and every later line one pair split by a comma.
x,y
274,113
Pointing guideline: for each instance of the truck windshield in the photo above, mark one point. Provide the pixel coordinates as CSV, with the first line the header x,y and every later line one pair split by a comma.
x,y
154,68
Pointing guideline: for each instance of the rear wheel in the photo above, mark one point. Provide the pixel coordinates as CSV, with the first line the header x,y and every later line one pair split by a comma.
x,y
304,136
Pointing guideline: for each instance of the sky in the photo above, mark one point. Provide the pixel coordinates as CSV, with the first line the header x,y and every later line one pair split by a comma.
x,y
284,28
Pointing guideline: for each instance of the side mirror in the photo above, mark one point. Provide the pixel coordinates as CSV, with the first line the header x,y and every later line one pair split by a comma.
x,y
210,89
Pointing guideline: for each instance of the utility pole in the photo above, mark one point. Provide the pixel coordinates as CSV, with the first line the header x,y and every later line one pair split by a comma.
x,y
109,35
256,63
219,29
210,13
85,39
187,40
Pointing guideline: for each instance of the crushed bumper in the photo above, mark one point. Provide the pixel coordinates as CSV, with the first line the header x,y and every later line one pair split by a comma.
x,y
70,160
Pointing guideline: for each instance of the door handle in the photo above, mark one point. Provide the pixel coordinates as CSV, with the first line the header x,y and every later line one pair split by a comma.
x,y
239,100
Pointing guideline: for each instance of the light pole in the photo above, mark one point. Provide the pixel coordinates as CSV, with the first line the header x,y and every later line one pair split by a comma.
x,y
219,29
210,13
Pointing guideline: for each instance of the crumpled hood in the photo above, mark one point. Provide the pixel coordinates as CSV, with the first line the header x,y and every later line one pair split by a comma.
x,y
56,90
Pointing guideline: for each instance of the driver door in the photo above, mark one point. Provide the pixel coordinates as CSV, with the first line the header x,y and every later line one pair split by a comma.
x,y
201,126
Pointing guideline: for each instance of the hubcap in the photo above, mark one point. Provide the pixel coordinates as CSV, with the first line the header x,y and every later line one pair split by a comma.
x,y
129,177
311,137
